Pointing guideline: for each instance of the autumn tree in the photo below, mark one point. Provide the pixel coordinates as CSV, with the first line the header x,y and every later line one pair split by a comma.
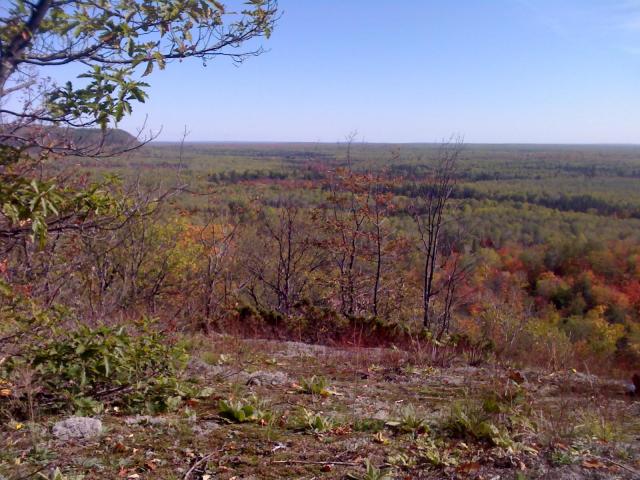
x,y
117,42
283,258
441,264
386,245
344,220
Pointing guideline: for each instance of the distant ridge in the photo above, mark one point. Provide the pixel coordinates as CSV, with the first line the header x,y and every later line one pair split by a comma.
x,y
113,139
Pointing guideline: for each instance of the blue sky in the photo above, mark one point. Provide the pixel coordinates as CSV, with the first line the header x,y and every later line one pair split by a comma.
x,y
548,71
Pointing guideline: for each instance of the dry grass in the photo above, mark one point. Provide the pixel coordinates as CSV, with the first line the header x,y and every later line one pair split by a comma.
x,y
380,407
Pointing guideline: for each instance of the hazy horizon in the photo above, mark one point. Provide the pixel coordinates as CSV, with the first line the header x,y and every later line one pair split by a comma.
x,y
356,143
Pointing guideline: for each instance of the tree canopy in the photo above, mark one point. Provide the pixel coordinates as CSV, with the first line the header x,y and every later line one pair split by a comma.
x,y
115,43
118,42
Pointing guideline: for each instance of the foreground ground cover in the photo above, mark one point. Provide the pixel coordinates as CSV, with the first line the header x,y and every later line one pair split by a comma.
x,y
291,410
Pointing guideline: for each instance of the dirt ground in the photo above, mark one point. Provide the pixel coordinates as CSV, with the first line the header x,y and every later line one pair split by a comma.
x,y
285,410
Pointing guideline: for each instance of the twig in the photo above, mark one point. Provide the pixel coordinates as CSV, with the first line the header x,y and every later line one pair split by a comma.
x,y
311,462
29,475
621,465
196,465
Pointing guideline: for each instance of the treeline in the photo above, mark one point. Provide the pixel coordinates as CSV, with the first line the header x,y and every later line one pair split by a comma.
x,y
408,180
412,173
283,266
345,268
586,203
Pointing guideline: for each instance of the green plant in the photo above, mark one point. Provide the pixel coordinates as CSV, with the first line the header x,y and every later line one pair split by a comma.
x,y
371,473
470,421
596,425
315,385
85,369
314,422
373,425
409,421
435,452
561,457
58,475
212,358
239,411
401,460
510,397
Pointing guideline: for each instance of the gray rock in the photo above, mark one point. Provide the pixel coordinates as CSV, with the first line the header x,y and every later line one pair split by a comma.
x,y
205,428
145,420
381,415
217,372
455,380
268,378
355,444
300,349
78,428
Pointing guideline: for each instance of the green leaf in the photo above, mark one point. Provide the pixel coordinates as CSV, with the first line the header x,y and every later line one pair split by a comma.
x,y
149,69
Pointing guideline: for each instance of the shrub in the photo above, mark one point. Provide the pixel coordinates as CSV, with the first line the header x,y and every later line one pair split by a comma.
x,y
547,342
593,330
469,421
54,366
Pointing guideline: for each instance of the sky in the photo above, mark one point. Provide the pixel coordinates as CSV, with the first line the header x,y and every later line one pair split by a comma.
x,y
493,71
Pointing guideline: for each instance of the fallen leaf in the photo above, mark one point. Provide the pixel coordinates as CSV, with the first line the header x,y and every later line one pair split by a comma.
x,y
120,447
341,430
593,463
380,438
469,467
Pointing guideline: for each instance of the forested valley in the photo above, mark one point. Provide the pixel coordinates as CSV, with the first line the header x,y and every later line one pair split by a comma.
x,y
277,310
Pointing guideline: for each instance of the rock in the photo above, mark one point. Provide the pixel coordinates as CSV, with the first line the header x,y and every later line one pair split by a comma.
x,y
218,372
268,378
454,380
300,349
380,415
205,428
145,420
548,391
79,428
355,444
